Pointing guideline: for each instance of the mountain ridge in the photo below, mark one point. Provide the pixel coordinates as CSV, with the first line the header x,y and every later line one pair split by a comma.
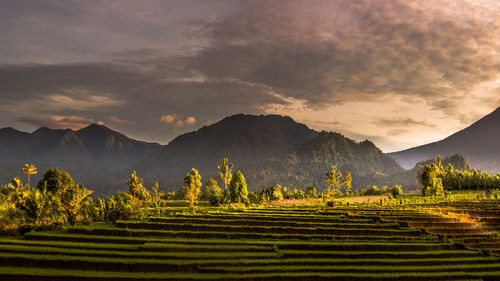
x,y
103,158
477,142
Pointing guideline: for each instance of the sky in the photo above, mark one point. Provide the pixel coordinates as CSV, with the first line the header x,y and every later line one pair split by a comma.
x,y
398,72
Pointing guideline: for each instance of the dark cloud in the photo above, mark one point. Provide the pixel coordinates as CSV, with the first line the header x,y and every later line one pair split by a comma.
x,y
326,52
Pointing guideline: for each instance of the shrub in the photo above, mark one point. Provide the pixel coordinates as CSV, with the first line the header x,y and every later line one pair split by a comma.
x,y
212,192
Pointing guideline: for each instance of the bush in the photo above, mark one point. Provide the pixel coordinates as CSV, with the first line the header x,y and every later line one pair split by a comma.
x,y
396,190
212,192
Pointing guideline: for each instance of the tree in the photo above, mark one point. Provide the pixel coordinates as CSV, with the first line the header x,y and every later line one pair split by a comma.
x,y
238,188
225,172
430,179
346,182
72,201
155,194
333,179
272,193
29,169
212,192
192,183
311,192
135,184
396,190
56,181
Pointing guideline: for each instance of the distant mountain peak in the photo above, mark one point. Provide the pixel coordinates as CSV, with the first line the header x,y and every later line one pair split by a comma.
x,y
96,127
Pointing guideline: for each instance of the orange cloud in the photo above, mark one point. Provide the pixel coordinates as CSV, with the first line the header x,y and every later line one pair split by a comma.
x,y
190,121
176,121
59,121
168,118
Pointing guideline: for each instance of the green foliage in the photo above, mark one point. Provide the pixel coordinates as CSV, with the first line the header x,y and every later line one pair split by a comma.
x,y
334,180
55,201
311,192
238,188
225,172
117,207
56,181
430,178
136,186
347,183
373,190
272,193
72,201
212,192
192,184
396,190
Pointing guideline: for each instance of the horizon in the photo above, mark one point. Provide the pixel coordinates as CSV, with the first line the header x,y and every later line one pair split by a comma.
x,y
399,73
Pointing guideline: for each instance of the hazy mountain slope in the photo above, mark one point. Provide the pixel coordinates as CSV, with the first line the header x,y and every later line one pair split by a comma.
x,y
307,164
479,143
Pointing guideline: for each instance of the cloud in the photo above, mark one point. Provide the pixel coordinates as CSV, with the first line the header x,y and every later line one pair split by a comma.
x,y
116,120
190,121
177,121
330,52
59,122
213,59
402,123
168,118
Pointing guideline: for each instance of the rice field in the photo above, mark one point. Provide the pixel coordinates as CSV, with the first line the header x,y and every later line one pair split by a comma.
x,y
372,242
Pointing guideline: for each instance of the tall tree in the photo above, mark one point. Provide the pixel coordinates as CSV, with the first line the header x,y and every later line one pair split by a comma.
x,y
135,184
347,183
192,184
333,179
29,169
238,188
225,171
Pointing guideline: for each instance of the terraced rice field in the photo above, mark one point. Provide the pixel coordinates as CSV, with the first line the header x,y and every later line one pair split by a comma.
x,y
275,243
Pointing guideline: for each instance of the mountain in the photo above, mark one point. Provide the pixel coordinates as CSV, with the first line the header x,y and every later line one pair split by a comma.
x,y
268,149
244,139
91,155
479,143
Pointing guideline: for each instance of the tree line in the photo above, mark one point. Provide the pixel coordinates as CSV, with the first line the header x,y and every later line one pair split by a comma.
x,y
435,179
57,200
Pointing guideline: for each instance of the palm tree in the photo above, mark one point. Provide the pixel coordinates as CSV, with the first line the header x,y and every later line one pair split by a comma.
x,y
225,172
29,169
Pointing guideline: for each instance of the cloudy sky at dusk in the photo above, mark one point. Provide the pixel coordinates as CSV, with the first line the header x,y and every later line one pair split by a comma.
x,y
399,72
